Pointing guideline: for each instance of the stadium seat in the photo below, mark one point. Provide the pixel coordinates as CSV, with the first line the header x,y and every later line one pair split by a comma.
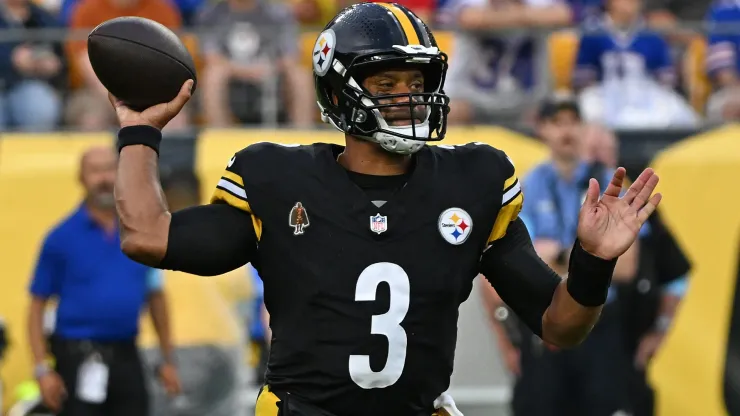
x,y
562,47
695,78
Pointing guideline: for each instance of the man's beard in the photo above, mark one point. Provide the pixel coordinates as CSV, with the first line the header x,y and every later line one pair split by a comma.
x,y
103,199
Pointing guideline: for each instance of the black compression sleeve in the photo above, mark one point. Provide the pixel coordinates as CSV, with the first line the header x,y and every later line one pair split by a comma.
x,y
209,240
524,282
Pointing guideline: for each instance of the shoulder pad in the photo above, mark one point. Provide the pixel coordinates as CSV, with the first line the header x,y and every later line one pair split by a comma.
x,y
260,162
480,158
259,165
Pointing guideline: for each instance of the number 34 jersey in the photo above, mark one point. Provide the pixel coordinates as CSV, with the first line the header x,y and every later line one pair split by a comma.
x,y
363,300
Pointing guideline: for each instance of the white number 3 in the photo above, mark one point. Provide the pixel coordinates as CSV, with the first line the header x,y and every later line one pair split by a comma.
x,y
387,324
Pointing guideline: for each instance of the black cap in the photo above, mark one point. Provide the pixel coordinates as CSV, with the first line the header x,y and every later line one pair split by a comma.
x,y
553,105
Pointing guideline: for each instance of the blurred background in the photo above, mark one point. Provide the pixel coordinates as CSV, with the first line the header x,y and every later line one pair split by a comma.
x,y
656,81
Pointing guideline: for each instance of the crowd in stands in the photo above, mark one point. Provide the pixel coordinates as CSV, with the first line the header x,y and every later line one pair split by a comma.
x,y
633,63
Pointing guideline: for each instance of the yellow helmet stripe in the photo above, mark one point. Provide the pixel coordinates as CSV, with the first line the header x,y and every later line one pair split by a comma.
x,y
406,25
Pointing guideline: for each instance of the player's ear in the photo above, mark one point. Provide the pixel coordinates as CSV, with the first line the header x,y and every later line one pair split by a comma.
x,y
335,99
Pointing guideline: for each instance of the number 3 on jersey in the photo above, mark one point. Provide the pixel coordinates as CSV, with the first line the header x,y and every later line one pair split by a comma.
x,y
387,324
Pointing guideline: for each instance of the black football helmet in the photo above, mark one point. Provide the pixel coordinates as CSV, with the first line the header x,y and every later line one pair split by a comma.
x,y
367,38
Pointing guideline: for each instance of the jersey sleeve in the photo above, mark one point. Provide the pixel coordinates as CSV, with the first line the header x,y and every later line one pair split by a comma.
x,y
511,199
231,190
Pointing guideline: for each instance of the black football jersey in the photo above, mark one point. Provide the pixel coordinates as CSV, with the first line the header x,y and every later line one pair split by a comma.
x,y
363,300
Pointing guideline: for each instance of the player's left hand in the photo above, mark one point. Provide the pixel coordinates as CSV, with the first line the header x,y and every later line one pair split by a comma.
x,y
609,225
170,380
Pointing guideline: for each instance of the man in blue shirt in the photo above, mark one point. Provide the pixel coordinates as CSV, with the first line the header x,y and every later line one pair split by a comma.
x,y
620,47
100,294
592,376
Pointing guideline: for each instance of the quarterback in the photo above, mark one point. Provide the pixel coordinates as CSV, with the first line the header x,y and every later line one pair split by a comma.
x,y
367,250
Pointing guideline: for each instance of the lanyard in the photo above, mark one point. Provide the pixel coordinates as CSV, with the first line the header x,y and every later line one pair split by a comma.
x,y
595,170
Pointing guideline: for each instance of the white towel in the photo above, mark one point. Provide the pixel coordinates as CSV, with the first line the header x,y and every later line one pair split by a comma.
x,y
447,404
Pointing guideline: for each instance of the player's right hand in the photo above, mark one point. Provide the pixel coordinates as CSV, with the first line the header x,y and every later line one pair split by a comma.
x,y
52,389
157,116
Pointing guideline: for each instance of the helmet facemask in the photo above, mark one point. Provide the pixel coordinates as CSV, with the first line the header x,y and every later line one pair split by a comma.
x,y
361,112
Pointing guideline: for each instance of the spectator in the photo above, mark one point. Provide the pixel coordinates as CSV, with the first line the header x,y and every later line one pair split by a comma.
x,y
93,97
101,294
630,72
251,67
29,71
592,376
492,75
723,61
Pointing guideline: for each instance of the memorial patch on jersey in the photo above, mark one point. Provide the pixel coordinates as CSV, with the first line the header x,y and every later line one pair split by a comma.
x,y
298,218
455,225
378,223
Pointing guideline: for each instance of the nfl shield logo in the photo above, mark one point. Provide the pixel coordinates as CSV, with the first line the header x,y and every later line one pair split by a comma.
x,y
378,223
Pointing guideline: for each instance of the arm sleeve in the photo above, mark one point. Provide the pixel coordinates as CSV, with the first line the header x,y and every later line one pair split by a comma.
x,y
524,282
214,239
45,282
209,240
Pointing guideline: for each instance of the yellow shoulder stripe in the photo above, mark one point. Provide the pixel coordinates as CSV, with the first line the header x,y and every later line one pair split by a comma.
x,y
220,195
233,177
511,204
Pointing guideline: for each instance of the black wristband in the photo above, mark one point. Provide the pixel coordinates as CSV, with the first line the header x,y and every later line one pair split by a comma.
x,y
147,135
589,277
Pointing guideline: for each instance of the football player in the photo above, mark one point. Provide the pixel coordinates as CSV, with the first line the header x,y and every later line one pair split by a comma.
x,y
364,301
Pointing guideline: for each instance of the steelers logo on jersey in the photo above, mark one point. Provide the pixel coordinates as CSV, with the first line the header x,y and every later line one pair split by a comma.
x,y
455,225
323,52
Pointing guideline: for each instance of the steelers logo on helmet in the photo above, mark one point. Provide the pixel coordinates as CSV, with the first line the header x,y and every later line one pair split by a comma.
x,y
455,225
323,52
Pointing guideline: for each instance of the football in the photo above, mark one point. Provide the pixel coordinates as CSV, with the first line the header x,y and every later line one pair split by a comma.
x,y
140,61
